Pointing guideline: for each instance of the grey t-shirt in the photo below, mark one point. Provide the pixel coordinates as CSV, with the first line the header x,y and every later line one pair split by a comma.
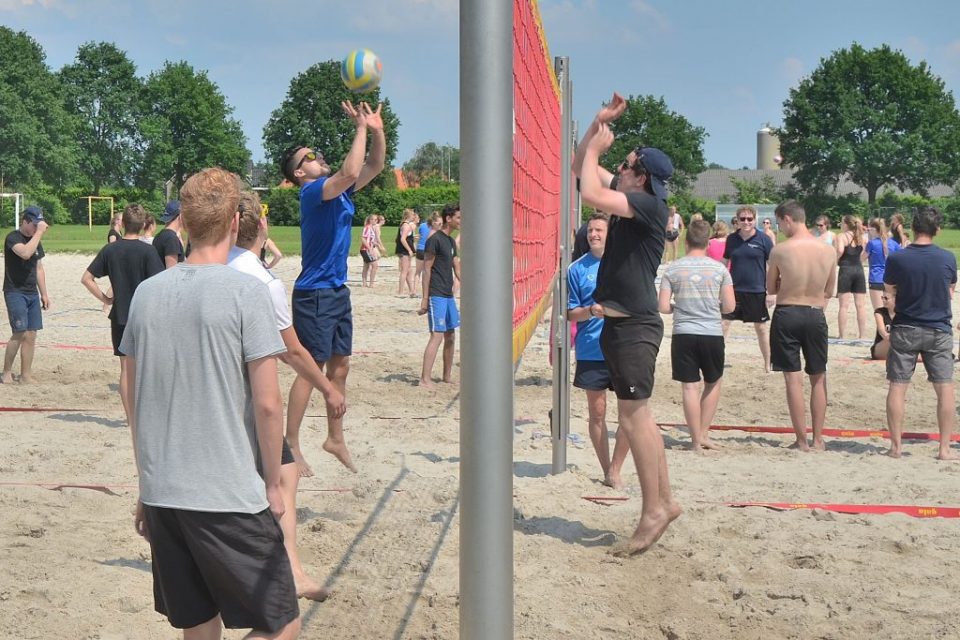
x,y
695,283
192,330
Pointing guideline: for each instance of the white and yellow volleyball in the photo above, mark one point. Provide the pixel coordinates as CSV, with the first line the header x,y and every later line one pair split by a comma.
x,y
361,71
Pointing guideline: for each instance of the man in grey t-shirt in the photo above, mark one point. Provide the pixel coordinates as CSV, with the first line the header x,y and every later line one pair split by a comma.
x,y
209,464
701,289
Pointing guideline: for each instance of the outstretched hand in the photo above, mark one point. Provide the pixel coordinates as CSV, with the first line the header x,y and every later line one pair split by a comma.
x,y
373,118
358,115
612,110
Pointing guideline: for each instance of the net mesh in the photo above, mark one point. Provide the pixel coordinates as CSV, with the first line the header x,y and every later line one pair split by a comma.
x,y
536,172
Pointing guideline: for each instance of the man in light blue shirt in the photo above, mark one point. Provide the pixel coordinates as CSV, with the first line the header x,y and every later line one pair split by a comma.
x,y
592,375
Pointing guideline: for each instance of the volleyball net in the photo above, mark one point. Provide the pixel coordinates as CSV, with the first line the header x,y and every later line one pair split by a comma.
x,y
536,173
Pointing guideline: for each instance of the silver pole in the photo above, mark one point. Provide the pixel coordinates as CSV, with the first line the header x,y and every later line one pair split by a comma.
x,y
560,417
486,402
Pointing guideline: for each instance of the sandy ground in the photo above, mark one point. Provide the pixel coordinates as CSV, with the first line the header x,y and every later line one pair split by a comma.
x,y
386,539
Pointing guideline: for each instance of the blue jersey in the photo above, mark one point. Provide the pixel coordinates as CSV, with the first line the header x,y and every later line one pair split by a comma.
x,y
581,282
878,261
424,231
923,275
324,236
748,261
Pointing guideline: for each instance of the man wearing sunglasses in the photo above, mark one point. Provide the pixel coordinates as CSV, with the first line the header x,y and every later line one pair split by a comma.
x,y
626,298
747,251
322,314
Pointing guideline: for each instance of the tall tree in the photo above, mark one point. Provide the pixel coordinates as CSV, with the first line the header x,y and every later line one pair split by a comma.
x,y
187,127
103,92
311,115
648,122
875,117
431,160
36,133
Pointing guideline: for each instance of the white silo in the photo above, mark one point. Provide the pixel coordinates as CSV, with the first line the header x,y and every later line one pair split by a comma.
x,y
768,149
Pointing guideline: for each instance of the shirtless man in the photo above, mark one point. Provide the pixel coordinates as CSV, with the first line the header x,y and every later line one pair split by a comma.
x,y
801,274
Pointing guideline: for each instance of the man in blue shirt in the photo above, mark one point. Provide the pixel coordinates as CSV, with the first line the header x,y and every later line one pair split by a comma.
x,y
592,375
322,314
747,251
922,277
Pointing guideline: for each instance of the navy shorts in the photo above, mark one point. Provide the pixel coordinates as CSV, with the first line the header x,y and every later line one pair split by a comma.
x,y
23,310
592,375
323,320
442,314
233,564
419,254
116,335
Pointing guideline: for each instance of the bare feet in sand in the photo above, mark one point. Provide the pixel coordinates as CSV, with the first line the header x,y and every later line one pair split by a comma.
x,y
309,589
819,445
947,454
302,467
648,532
893,453
28,379
339,451
705,445
6,378
425,383
800,445
613,480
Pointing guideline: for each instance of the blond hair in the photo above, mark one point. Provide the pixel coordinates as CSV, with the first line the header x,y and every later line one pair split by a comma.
x,y
208,203
855,226
250,213
720,229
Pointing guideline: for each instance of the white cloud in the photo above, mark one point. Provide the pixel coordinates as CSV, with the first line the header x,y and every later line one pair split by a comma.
x,y
791,69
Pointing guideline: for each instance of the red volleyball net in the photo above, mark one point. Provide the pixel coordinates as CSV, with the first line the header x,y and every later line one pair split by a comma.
x,y
536,173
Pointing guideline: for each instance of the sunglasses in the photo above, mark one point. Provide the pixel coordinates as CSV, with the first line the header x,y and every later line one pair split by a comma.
x,y
766,223
821,225
746,219
309,157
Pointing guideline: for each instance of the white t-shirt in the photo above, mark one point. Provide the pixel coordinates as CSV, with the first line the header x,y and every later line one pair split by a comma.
x,y
245,261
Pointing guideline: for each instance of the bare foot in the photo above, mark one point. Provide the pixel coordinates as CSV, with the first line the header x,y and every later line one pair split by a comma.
x,y
800,445
893,453
302,467
711,445
648,532
819,445
6,378
309,589
613,480
340,452
947,454
27,379
425,383
449,381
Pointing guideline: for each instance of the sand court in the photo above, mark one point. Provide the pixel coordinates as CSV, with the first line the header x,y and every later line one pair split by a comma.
x,y
386,540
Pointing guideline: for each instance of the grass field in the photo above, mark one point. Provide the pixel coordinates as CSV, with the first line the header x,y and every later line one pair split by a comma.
x,y
79,239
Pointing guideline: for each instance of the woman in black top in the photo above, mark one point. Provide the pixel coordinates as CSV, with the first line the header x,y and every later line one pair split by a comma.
x,y
405,250
114,234
851,283
898,231
884,317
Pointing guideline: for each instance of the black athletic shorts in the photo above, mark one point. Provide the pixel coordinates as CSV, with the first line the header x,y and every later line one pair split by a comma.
x,y
592,375
851,280
876,286
630,347
367,256
116,335
751,307
672,235
692,353
233,564
420,254
797,328
286,455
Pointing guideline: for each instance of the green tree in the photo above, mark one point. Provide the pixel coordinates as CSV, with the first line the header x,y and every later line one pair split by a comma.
x,y
763,191
648,122
36,133
431,160
311,115
187,126
875,117
103,92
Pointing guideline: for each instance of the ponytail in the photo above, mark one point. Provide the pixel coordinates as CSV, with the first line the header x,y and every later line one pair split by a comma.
x,y
881,228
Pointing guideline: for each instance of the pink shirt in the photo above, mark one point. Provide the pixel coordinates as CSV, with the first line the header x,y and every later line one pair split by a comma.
x,y
715,248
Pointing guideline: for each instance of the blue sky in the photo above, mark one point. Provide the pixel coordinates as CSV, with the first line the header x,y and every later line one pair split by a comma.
x,y
725,65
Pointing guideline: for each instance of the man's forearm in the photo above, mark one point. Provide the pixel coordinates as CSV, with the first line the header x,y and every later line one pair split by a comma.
x,y
378,151
353,163
269,418
582,148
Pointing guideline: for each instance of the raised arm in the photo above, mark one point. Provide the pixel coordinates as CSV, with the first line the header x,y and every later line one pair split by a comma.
x,y
378,148
592,189
607,114
349,173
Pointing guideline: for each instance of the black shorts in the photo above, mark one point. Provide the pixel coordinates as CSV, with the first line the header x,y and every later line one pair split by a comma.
x,y
116,334
672,235
419,254
592,375
286,455
851,280
751,307
630,347
876,286
323,320
797,328
233,564
367,257
691,353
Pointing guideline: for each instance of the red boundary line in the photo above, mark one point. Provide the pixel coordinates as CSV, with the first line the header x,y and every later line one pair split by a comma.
x,y
910,510
836,433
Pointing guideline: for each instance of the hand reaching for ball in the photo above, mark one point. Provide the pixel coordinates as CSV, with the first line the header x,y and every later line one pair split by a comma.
x,y
373,118
612,110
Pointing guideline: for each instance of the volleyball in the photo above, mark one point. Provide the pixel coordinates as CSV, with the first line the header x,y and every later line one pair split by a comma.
x,y
361,71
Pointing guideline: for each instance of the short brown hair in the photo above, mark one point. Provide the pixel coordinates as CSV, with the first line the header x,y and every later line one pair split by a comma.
x,y
208,202
791,208
698,234
134,218
249,227
599,215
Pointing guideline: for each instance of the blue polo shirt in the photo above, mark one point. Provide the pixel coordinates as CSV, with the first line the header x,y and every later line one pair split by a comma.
x,y
424,231
876,258
324,237
923,274
748,261
581,282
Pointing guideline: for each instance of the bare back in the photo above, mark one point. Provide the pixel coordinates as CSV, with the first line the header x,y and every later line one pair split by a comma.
x,y
802,271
